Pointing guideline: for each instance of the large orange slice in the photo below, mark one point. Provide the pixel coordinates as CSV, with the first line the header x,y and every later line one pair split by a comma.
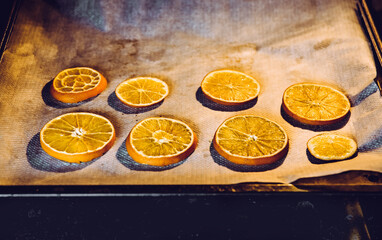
x,y
160,141
73,85
77,137
251,140
315,104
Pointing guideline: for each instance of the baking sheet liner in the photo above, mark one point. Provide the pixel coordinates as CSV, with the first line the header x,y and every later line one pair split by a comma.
x,y
278,42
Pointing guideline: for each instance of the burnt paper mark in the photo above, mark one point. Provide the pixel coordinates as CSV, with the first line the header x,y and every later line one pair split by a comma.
x,y
322,44
115,103
201,97
42,161
220,160
315,128
126,160
315,160
52,102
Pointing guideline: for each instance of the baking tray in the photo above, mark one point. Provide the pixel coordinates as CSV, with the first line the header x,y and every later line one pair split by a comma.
x,y
349,181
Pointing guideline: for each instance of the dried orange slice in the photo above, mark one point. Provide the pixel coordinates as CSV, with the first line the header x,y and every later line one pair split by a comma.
x,y
74,85
330,146
229,87
77,137
160,141
141,91
251,140
315,104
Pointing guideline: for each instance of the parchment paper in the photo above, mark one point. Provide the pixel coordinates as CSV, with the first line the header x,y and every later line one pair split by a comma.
x,y
278,42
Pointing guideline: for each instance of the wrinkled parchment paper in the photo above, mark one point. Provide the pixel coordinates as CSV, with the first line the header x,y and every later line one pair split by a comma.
x,y
278,42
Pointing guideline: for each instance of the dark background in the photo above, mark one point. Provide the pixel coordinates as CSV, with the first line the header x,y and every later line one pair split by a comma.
x,y
222,216
190,216
199,214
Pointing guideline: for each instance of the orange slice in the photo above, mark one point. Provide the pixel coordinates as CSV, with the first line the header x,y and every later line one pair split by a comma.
x,y
160,141
77,137
315,104
230,87
73,85
251,140
332,147
141,91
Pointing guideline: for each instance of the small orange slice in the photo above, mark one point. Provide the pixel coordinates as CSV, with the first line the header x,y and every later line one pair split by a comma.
x,y
315,104
330,146
251,140
74,85
77,137
229,87
160,141
141,91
